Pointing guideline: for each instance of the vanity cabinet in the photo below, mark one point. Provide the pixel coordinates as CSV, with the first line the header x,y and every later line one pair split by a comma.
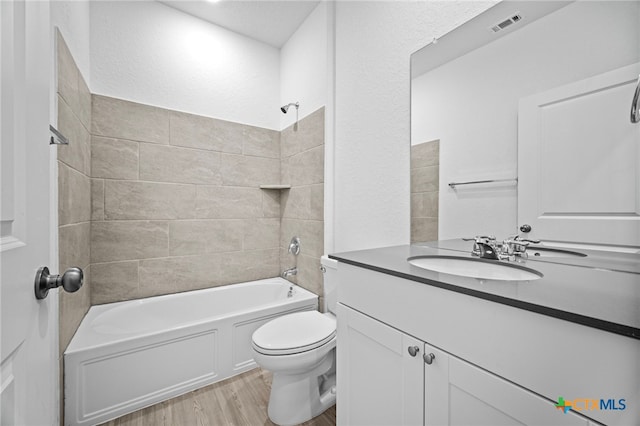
x,y
379,382
494,364
390,378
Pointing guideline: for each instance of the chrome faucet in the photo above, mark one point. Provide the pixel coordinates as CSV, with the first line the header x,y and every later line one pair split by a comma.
x,y
289,272
486,247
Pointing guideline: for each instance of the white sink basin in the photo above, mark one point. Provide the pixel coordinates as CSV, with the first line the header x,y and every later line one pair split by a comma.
x,y
475,268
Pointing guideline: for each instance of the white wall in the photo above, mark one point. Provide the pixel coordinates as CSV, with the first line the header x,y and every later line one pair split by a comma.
x,y
72,19
374,41
478,133
146,52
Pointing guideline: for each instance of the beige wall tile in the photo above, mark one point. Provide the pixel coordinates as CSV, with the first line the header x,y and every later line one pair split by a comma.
x,y
316,211
74,245
128,240
74,196
161,163
97,199
148,200
309,274
424,204
177,274
425,154
84,103
241,170
114,282
237,235
117,118
305,168
215,202
425,179
424,229
193,237
304,202
244,266
271,203
288,260
310,232
67,74
261,142
114,158
195,131
297,203
72,309
78,153
261,234
310,134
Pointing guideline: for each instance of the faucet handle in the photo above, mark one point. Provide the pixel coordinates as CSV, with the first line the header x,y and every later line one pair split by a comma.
x,y
481,238
517,237
530,241
482,244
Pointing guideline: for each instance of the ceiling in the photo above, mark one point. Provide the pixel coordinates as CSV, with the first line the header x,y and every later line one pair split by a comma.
x,y
271,22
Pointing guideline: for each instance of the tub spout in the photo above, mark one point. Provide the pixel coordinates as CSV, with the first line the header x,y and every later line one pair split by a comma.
x,y
289,272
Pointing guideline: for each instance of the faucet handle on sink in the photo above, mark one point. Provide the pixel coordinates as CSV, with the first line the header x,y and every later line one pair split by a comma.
x,y
486,239
482,244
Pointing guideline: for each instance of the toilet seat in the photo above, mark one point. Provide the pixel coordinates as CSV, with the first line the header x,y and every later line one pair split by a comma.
x,y
294,333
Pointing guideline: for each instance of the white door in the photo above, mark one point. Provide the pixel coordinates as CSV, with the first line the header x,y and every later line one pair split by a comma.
x,y
579,161
28,341
379,380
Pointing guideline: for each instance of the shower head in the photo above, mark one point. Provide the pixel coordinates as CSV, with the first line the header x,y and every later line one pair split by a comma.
x,y
285,108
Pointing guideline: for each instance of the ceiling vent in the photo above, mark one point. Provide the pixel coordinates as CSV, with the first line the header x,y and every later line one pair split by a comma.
x,y
513,19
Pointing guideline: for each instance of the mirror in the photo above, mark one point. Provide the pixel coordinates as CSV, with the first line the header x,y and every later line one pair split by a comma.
x,y
466,91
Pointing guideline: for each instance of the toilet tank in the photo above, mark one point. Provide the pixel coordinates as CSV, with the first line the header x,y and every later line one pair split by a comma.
x,y
330,283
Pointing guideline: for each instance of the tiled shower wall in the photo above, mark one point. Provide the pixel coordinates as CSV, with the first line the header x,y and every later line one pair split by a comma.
x,y
74,193
154,201
176,203
302,206
425,166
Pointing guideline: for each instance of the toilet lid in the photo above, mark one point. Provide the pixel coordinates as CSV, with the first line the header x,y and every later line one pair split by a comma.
x,y
294,333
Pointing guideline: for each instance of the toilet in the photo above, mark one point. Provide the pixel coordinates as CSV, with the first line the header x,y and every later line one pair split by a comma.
x,y
300,350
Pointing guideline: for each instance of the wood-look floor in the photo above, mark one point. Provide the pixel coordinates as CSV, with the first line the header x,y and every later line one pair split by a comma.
x,y
239,401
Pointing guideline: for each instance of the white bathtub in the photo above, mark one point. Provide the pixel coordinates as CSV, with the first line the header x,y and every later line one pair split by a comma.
x,y
129,355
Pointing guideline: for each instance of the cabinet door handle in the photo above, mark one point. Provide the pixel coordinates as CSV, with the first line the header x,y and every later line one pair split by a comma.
x,y
428,358
413,350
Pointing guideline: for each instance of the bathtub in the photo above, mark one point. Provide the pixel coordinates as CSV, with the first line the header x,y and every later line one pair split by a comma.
x,y
129,355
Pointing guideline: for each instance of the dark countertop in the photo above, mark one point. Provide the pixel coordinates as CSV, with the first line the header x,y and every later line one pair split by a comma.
x,y
597,291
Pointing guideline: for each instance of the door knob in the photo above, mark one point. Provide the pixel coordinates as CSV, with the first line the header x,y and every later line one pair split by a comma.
x,y
413,350
71,281
428,358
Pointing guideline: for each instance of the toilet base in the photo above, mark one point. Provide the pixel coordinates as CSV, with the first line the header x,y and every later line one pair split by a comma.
x,y
297,398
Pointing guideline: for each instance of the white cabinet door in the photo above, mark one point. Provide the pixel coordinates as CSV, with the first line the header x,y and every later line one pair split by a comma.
x,y
579,161
458,393
379,381
28,336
